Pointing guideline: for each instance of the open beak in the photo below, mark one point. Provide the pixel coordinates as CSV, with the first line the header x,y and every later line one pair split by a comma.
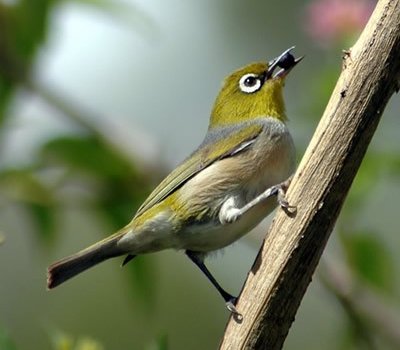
x,y
285,62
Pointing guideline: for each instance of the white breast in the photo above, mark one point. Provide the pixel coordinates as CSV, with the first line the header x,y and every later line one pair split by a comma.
x,y
269,162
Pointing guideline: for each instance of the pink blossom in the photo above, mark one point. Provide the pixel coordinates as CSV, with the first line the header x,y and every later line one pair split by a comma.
x,y
329,21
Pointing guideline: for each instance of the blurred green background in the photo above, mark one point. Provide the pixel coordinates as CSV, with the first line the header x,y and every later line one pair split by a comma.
x,y
99,100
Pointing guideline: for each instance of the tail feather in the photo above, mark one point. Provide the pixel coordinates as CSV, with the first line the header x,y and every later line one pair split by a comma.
x,y
66,268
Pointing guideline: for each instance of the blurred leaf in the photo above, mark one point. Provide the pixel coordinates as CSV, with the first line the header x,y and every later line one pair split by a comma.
x,y
62,341
392,162
369,259
122,188
5,95
5,341
30,21
44,218
355,335
346,340
161,343
23,28
24,187
374,166
85,154
118,201
87,343
364,182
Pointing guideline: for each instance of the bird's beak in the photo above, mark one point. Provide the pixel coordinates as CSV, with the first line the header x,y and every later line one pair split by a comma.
x,y
285,61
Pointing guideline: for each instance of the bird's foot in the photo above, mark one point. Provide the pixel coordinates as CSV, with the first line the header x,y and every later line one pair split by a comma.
x,y
230,305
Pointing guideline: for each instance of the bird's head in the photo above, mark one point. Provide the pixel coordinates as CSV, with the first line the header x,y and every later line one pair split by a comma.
x,y
253,91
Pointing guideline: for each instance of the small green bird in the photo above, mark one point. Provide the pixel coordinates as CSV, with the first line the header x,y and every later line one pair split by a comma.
x,y
222,190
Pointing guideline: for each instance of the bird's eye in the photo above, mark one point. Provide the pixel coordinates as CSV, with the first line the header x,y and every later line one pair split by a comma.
x,y
250,83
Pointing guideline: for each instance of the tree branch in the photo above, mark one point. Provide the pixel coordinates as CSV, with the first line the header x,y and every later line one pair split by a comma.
x,y
283,269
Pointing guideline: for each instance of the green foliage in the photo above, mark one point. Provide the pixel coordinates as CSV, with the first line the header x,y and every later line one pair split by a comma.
x,y
367,255
119,190
44,217
369,259
87,154
29,26
83,161
375,166
24,27
161,343
26,188
86,160
62,341
354,335
22,184
23,30
6,342
6,89
120,187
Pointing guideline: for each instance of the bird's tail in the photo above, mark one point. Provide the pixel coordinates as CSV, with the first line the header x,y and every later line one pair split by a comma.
x,y
66,268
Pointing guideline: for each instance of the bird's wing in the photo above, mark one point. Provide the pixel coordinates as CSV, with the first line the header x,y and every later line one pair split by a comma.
x,y
214,148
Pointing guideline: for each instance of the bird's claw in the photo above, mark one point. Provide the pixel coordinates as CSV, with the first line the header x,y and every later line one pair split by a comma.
x,y
281,197
230,305
284,204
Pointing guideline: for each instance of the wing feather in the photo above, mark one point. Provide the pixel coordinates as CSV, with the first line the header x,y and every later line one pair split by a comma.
x,y
234,140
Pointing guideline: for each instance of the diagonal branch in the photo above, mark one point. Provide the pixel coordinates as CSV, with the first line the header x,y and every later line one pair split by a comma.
x,y
291,251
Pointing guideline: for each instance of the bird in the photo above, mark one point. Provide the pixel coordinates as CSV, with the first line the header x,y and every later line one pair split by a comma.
x,y
221,190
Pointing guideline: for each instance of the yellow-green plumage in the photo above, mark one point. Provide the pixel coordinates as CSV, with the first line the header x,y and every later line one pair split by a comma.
x,y
246,150
232,105
199,160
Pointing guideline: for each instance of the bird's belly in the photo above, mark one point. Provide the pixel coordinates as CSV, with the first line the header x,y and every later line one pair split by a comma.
x,y
244,178
211,236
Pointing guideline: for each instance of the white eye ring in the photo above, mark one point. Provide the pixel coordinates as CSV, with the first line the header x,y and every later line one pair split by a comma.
x,y
250,83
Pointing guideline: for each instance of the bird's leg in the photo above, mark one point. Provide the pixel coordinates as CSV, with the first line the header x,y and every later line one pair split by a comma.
x,y
128,258
230,300
229,212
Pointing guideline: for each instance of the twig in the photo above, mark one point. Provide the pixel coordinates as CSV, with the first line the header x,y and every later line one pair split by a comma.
x,y
97,128
361,302
68,109
291,251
